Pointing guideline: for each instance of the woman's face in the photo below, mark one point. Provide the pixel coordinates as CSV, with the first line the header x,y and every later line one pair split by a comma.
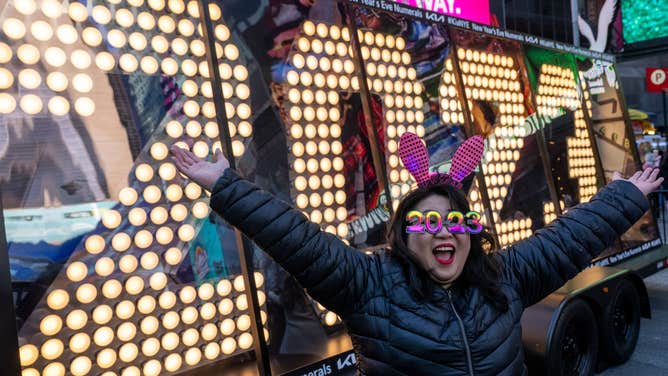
x,y
443,254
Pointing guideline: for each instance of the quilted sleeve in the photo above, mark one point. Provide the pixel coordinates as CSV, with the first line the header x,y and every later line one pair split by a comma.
x,y
542,263
336,275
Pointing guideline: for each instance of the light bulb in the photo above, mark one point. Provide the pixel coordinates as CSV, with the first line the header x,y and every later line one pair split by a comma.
x,y
186,232
86,293
173,256
193,356
146,21
189,315
158,281
76,319
31,104
245,340
131,371
179,212
190,337
127,263
128,63
205,291
208,311
167,300
102,314
57,299
7,103
134,285
25,7
28,354
330,318
29,78
146,304
14,28
143,239
6,53
138,42
121,242
149,325
174,193
160,45
128,353
54,369
167,171
157,5
152,368
67,34
150,347
125,309
211,351
106,358
228,346
166,24
82,83
28,54
227,327
159,215
79,343
170,341
186,27
173,362
126,331
50,325
243,322
52,349
105,61
159,151
77,271
124,17
59,106
91,36
200,210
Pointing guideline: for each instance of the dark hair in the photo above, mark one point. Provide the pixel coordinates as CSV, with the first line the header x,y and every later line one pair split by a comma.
x,y
480,270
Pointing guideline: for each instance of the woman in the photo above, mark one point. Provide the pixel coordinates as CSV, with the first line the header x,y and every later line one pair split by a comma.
x,y
435,304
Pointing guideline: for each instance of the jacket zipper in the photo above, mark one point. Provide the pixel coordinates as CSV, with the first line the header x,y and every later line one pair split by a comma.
x,y
466,342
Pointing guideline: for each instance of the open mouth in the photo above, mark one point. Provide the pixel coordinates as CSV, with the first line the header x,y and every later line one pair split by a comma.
x,y
444,253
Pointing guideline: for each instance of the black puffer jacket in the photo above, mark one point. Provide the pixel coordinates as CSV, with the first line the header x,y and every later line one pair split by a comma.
x,y
392,332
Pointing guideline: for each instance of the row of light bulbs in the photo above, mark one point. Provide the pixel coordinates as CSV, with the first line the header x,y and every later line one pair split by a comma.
x,y
476,56
54,8
106,358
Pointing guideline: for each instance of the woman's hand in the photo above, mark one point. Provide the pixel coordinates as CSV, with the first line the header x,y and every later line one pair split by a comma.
x,y
198,170
646,180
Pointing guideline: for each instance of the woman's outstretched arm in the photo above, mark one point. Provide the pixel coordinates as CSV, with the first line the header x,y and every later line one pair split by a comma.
x,y
336,275
542,263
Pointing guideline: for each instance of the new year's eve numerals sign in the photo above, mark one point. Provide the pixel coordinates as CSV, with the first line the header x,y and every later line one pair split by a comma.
x,y
432,222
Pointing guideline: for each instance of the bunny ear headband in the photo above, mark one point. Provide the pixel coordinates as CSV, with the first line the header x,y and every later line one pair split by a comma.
x,y
414,155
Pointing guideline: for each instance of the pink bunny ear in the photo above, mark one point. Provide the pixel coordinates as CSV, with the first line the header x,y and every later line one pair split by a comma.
x,y
466,158
414,155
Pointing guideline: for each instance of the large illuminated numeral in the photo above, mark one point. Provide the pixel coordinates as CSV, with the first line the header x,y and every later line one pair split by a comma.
x,y
113,304
492,77
557,89
322,67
